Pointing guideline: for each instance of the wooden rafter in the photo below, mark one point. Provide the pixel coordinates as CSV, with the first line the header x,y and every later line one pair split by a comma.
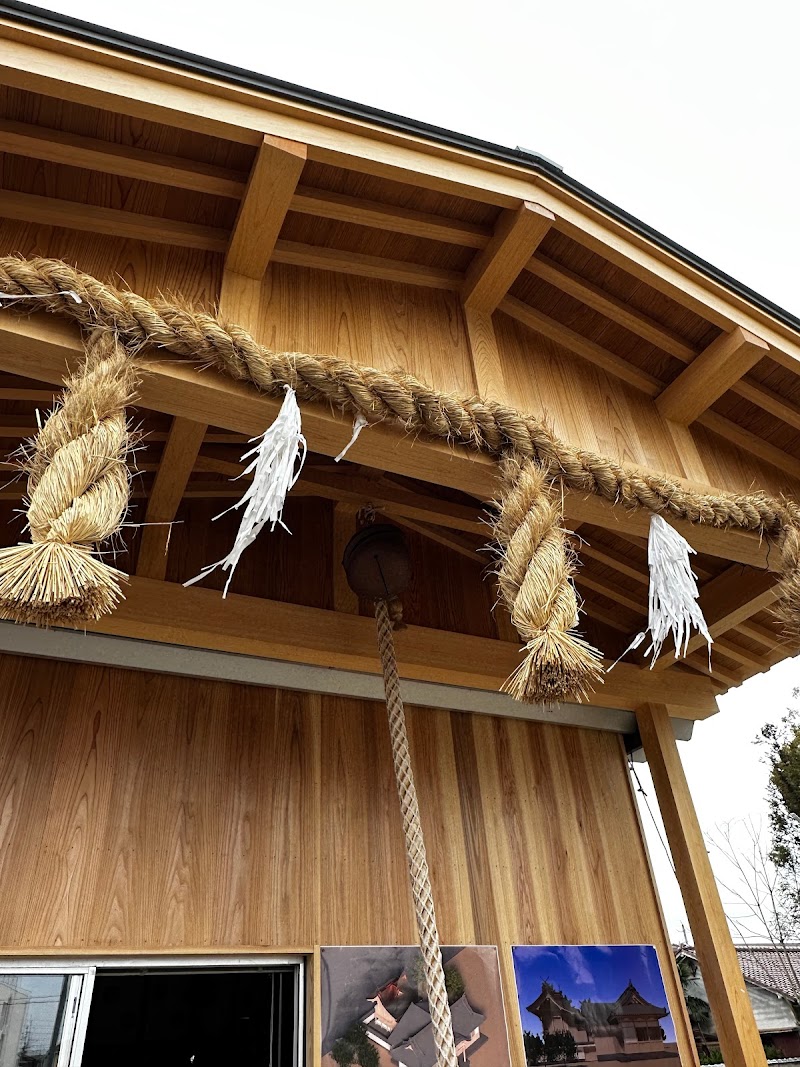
x,y
177,462
362,265
709,375
327,205
494,269
362,491
580,345
270,188
619,311
455,542
48,211
91,153
39,347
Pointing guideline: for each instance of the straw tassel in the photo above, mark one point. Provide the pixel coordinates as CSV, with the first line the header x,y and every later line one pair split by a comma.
x,y
673,602
78,493
277,461
535,582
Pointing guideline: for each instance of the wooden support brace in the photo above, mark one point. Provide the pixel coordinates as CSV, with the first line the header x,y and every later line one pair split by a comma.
x,y
711,374
486,363
722,975
177,463
495,268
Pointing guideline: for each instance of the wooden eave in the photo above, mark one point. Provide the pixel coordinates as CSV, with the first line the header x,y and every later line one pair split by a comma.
x,y
113,161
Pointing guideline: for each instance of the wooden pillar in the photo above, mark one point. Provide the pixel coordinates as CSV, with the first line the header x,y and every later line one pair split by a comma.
x,y
727,996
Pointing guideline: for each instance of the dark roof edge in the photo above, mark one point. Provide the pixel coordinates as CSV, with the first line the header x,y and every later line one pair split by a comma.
x,y
39,18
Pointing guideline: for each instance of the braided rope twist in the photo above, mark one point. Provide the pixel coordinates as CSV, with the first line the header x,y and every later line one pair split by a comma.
x,y
419,875
488,426
534,575
78,491
470,422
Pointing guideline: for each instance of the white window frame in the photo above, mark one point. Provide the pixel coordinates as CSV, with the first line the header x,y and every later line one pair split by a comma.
x,y
81,971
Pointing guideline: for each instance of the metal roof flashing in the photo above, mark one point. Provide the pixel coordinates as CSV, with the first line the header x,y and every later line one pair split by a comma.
x,y
53,22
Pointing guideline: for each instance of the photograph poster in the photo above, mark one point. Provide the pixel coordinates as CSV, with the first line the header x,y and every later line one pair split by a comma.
x,y
375,1008
593,1003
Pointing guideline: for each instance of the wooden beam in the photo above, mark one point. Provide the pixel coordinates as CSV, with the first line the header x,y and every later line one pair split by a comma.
x,y
39,346
711,374
487,366
727,996
768,400
200,618
726,601
177,462
364,266
750,442
610,306
91,153
494,270
71,215
581,346
448,539
327,205
270,188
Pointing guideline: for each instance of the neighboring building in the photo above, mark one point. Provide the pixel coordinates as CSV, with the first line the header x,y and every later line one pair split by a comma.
x,y
403,1027
629,1026
13,1013
772,979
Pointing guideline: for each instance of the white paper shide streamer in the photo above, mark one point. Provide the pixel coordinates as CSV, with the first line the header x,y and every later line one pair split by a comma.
x,y
673,607
277,461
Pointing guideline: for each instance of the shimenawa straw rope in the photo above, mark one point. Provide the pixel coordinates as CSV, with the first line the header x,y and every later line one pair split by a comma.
x,y
78,491
535,581
377,395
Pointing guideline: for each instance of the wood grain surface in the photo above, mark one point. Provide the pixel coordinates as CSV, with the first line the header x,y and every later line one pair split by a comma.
x,y
149,813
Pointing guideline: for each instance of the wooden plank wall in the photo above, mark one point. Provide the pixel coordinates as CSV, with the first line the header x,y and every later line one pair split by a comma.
x,y
145,813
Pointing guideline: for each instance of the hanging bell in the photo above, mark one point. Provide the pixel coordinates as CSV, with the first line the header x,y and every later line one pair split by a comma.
x,y
376,562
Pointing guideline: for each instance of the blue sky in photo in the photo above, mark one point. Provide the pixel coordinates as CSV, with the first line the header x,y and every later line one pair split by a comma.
x,y
587,972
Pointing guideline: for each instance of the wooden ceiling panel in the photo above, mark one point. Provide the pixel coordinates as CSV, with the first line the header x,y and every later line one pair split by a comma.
x,y
400,194
759,422
778,379
73,184
595,327
308,229
563,250
53,113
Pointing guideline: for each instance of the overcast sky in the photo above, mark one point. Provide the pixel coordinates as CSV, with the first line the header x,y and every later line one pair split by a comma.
x,y
684,112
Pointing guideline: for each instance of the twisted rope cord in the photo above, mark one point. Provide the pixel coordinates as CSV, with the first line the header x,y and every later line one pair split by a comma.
x,y
535,581
415,846
78,491
469,422
487,426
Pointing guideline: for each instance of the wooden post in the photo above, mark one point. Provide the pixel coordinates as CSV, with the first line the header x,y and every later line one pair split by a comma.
x,y
727,996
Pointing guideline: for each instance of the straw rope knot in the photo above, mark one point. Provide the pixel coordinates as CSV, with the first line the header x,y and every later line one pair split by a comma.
x,y
534,575
78,491
419,875
397,396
